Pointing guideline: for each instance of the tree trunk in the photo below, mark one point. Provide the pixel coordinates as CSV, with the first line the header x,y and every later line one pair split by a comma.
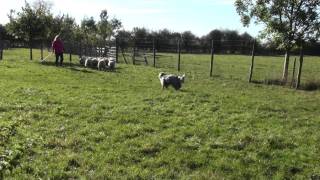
x,y
31,52
300,68
286,67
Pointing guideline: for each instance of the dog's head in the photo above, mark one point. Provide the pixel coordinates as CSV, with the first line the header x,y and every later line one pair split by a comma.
x,y
161,74
181,78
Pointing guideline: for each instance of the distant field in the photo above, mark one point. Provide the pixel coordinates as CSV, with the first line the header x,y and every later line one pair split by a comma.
x,y
236,66
72,122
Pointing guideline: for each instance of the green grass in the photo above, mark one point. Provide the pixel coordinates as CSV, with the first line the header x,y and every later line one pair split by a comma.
x,y
73,122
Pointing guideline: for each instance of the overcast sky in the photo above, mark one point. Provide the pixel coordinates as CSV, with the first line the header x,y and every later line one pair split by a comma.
x,y
198,16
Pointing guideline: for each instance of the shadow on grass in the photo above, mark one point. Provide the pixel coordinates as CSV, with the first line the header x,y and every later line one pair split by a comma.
x,y
311,85
277,82
77,67
80,70
65,64
183,90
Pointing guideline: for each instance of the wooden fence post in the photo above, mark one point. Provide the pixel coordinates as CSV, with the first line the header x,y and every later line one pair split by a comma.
x,y
212,57
154,53
134,53
300,68
252,61
90,50
1,50
41,50
179,55
293,71
80,49
86,49
30,44
70,53
117,51
123,55
100,49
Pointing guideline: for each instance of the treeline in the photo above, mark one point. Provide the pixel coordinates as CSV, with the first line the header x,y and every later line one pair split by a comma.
x,y
35,24
223,41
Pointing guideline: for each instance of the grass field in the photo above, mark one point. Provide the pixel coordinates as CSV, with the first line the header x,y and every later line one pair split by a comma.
x,y
236,67
72,122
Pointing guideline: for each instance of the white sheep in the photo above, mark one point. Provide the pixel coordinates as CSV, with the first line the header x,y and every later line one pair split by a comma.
x,y
94,63
88,62
82,60
111,64
102,64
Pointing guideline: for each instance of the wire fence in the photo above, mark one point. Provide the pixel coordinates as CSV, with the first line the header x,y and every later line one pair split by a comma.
x,y
238,60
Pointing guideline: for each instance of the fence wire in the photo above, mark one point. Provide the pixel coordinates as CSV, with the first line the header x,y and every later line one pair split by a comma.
x,y
176,57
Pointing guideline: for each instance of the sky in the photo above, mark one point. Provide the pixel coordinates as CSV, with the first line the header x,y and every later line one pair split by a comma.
x,y
197,16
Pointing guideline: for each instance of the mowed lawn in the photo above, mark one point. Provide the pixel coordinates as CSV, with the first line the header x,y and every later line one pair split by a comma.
x,y
72,122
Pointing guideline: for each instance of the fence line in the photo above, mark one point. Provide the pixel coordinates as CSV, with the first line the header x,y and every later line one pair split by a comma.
x,y
141,51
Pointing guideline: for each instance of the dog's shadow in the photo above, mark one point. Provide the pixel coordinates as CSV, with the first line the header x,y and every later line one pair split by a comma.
x,y
184,90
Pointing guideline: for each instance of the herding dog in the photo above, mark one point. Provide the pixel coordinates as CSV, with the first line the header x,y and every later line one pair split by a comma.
x,y
170,79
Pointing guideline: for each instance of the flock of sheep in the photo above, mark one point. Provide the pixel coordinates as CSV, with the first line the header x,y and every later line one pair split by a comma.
x,y
100,63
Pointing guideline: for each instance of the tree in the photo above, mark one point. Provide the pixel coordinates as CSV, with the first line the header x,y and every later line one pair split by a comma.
x,y
107,28
3,32
232,39
124,38
64,25
32,23
189,40
216,36
287,22
89,27
246,42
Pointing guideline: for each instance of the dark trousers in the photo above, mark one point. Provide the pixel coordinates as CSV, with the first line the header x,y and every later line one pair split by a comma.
x,y
57,58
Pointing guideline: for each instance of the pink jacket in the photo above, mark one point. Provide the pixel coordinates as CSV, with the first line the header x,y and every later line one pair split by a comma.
x,y
57,46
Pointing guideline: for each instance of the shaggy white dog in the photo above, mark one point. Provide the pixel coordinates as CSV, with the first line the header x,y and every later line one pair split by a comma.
x,y
169,79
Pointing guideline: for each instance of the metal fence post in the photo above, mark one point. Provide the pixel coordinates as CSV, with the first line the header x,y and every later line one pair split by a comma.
x,y
212,57
154,53
300,68
179,55
252,61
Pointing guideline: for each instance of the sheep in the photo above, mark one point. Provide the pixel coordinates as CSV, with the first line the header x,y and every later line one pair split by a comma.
x,y
88,62
102,64
111,64
94,63
82,60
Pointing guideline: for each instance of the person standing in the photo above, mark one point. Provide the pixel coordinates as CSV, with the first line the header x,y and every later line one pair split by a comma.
x,y
58,49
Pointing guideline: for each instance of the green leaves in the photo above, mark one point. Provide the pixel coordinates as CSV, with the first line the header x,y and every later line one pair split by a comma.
x,y
32,22
287,22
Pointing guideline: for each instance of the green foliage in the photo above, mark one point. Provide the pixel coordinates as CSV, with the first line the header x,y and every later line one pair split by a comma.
x,y
33,22
77,123
36,22
287,22
67,28
107,28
